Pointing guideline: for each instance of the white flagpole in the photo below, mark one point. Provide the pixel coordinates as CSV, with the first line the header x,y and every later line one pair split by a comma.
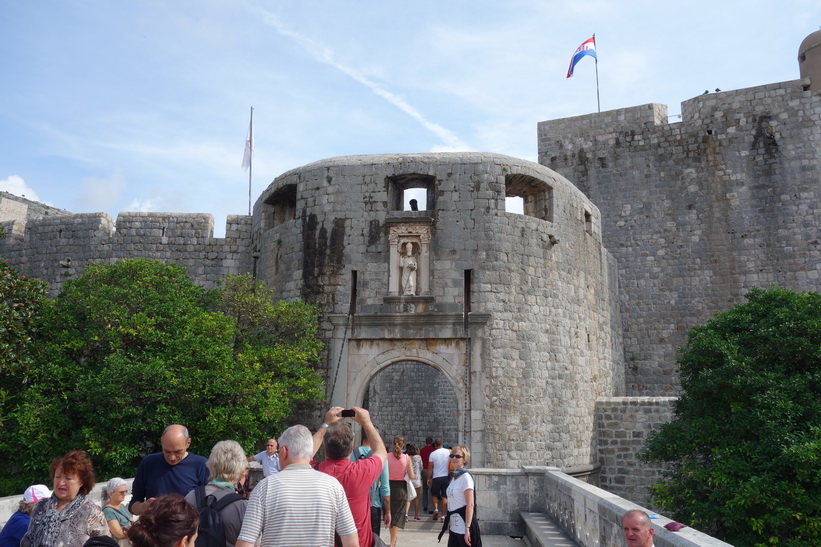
x,y
598,101
248,158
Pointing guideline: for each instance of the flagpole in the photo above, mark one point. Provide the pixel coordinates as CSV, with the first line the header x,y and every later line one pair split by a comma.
x,y
598,101
251,158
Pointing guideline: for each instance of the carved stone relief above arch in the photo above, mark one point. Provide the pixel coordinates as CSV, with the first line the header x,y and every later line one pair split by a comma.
x,y
409,264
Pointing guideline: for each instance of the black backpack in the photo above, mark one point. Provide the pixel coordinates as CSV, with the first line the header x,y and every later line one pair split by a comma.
x,y
212,530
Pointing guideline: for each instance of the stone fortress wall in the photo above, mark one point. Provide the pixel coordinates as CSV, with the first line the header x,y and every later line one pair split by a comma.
x,y
54,245
699,211
556,330
513,310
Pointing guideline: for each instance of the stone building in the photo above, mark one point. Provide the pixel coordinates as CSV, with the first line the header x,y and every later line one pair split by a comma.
x,y
543,338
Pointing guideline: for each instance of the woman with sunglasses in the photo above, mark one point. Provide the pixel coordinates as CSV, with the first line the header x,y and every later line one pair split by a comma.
x,y
461,518
116,512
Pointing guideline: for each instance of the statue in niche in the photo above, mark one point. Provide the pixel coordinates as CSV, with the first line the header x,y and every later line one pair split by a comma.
x,y
408,265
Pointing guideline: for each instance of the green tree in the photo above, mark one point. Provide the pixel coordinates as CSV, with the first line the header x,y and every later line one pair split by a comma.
x,y
744,448
22,301
132,347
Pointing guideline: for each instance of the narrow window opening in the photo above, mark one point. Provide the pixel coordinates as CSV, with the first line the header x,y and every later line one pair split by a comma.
x,y
412,192
352,310
533,195
588,222
467,296
515,204
415,199
281,206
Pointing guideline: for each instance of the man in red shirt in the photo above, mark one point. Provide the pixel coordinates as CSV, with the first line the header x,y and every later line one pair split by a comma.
x,y
425,454
355,476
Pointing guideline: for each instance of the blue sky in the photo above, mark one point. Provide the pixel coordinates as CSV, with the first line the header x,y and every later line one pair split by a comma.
x,y
144,105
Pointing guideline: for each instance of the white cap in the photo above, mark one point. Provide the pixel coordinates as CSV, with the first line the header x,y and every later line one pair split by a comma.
x,y
35,493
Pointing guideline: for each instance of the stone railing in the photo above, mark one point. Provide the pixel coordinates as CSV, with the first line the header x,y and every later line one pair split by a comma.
x,y
589,515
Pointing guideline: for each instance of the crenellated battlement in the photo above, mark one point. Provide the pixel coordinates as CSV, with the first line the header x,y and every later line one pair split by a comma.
x,y
55,245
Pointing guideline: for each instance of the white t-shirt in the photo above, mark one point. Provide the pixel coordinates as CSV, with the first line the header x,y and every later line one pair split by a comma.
x,y
440,459
456,499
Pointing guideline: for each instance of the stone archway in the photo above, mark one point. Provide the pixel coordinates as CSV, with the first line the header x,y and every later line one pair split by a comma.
x,y
415,400
365,346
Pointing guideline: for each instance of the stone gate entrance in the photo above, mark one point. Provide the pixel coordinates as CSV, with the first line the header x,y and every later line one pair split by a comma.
x,y
414,400
419,374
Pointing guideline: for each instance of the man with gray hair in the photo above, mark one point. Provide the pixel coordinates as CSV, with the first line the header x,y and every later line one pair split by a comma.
x,y
638,530
298,506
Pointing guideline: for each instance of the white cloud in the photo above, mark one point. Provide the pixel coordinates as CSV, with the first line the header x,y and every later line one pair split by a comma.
x,y
17,186
101,194
144,206
324,54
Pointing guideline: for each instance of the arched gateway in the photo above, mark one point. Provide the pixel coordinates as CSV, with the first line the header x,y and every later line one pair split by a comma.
x,y
516,314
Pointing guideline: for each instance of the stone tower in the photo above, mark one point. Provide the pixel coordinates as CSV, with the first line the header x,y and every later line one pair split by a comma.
x,y
700,211
809,59
512,315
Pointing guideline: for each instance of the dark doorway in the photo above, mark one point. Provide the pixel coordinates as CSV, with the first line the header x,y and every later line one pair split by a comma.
x,y
414,400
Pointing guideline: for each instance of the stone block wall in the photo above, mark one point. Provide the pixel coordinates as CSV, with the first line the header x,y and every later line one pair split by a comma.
x,y
697,212
408,390
544,281
592,516
55,248
623,425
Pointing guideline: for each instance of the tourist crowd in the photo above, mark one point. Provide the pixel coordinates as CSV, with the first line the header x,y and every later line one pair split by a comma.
x,y
181,499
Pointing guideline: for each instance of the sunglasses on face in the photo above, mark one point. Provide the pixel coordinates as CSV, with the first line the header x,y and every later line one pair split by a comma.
x,y
457,456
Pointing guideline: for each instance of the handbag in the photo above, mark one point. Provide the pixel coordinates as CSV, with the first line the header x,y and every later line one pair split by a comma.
x,y
411,488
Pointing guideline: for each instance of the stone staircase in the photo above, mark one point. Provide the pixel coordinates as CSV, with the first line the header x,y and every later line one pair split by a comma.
x,y
541,531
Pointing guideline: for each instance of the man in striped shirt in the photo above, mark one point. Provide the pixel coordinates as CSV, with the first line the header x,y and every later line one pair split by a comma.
x,y
299,506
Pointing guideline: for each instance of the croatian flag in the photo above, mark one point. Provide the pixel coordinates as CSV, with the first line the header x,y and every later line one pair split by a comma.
x,y
588,47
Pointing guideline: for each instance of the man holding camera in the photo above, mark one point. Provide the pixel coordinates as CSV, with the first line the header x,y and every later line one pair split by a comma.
x,y
356,476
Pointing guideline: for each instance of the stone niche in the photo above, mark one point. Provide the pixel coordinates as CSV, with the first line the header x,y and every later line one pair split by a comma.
x,y
409,265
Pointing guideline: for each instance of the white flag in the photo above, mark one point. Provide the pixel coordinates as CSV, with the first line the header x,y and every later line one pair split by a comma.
x,y
249,146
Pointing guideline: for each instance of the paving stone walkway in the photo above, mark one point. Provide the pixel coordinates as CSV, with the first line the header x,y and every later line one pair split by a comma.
x,y
418,534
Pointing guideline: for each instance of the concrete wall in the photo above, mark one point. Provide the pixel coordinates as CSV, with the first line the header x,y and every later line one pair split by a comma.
x,y
699,211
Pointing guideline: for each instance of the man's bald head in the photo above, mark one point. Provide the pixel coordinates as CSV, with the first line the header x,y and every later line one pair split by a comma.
x,y
175,442
638,530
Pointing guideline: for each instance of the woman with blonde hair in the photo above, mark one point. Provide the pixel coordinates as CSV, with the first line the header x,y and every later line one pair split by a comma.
x,y
227,463
416,463
398,465
461,518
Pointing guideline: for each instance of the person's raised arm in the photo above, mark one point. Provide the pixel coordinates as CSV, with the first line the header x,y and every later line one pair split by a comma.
x,y
363,418
330,417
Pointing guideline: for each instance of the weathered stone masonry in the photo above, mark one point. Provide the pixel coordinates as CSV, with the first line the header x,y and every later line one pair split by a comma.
x,y
539,344
547,338
697,212
58,246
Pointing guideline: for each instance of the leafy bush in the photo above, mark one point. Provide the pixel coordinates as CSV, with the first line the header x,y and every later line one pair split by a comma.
x,y
134,346
744,449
